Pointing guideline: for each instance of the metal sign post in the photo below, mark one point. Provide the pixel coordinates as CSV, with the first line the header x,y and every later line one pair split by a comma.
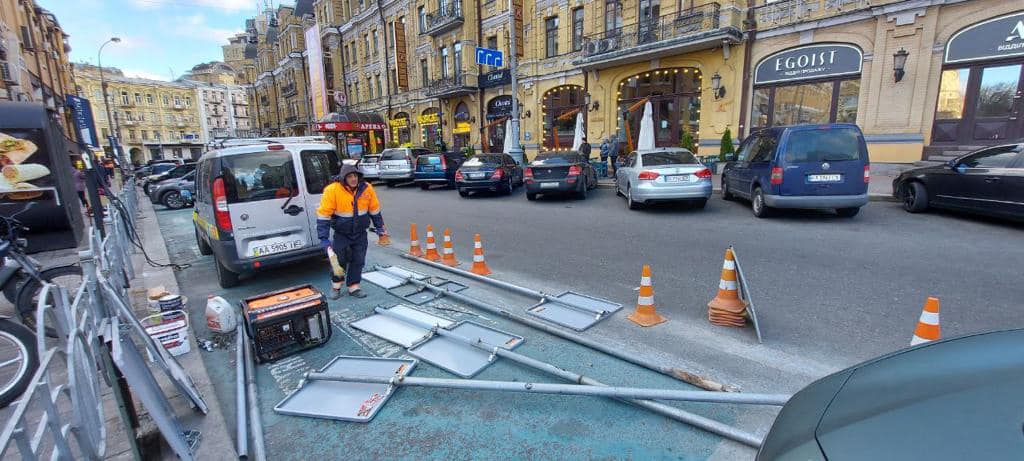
x,y
517,149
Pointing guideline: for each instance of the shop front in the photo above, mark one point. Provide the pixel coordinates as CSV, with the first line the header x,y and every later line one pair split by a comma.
x,y
559,109
356,134
499,110
980,91
400,130
815,84
463,127
675,96
430,128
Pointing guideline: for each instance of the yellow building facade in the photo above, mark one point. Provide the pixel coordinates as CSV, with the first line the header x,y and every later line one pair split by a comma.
x,y
278,77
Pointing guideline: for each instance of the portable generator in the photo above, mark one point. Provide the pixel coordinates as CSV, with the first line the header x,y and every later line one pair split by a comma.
x,y
286,321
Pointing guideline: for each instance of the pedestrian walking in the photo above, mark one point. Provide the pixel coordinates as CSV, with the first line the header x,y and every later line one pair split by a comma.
x,y
613,154
606,149
347,207
79,176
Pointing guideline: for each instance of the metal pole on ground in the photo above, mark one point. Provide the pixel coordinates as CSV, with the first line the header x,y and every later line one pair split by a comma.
x,y
676,373
256,421
242,430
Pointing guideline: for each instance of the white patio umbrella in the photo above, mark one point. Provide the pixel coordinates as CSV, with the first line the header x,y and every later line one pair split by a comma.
x,y
577,137
508,137
646,140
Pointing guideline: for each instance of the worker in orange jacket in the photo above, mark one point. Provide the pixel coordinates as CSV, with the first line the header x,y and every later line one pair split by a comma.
x,y
348,206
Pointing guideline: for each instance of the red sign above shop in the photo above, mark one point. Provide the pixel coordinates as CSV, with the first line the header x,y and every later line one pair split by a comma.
x,y
349,126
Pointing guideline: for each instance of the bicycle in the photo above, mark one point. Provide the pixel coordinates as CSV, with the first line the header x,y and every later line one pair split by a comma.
x,y
18,360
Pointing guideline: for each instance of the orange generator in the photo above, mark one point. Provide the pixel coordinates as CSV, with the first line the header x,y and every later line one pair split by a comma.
x,y
283,322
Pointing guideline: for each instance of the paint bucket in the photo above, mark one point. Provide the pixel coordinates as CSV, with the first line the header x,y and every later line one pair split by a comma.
x,y
169,329
171,302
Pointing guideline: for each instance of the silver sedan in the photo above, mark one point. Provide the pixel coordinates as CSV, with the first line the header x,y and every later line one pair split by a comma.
x,y
663,174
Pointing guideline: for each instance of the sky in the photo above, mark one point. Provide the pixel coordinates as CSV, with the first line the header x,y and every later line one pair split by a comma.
x,y
158,37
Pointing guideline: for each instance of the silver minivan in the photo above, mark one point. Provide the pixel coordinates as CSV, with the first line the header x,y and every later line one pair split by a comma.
x,y
398,164
256,201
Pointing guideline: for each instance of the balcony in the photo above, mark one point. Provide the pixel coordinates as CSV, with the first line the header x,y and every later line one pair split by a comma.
x,y
448,18
789,12
129,122
457,85
699,28
5,73
179,107
289,90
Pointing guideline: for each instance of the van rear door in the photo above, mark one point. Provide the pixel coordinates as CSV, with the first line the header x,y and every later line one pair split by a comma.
x,y
824,160
319,166
267,207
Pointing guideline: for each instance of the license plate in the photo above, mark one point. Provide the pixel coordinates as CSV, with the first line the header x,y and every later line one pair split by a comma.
x,y
549,185
678,178
428,168
476,176
275,245
824,178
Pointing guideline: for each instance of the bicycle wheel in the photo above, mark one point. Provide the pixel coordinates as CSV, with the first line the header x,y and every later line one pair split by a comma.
x,y
69,277
18,360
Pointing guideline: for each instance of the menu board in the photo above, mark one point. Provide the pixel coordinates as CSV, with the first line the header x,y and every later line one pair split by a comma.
x,y
24,165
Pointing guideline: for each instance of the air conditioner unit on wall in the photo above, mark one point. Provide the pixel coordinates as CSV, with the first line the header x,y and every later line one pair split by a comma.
x,y
592,47
608,44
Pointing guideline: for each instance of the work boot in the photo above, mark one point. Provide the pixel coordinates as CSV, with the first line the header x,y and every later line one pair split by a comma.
x,y
357,293
335,294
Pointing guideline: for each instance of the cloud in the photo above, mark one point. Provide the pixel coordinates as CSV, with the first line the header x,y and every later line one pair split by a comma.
x,y
133,73
198,28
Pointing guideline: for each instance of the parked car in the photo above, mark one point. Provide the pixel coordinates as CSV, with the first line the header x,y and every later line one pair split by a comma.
x,y
437,168
946,400
664,174
988,181
802,166
172,173
488,172
397,164
370,166
256,203
157,168
175,193
559,173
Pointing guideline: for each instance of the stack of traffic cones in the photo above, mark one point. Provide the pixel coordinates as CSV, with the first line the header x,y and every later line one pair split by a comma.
x,y
431,253
414,242
928,325
448,257
727,309
479,265
645,314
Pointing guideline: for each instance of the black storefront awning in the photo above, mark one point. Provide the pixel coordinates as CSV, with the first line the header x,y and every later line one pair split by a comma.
x,y
350,121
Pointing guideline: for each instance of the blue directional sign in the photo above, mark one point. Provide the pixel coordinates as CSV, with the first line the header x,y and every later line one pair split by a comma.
x,y
489,57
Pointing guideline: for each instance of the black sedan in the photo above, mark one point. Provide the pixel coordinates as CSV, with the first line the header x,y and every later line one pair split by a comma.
x,y
560,173
989,181
957,399
488,172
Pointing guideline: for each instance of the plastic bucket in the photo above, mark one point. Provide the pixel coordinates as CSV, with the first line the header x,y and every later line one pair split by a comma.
x,y
169,329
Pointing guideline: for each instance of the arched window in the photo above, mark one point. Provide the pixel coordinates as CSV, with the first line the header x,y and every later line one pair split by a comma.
x,y
560,108
674,94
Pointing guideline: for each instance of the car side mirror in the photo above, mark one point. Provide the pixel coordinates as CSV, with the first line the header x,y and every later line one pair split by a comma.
x,y
951,164
730,157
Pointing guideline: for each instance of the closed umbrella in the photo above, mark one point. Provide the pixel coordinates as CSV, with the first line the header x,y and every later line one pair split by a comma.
x,y
646,140
577,137
508,137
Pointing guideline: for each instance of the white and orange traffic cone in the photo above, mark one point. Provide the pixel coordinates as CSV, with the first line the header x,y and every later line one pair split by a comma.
x,y
414,242
645,314
727,309
928,325
448,253
431,253
479,265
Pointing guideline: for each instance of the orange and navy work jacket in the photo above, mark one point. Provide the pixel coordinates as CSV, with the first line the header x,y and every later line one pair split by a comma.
x,y
348,211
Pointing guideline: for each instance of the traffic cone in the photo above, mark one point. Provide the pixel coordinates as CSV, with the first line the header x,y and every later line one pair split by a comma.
x,y
928,325
645,315
448,252
414,242
431,253
479,265
727,309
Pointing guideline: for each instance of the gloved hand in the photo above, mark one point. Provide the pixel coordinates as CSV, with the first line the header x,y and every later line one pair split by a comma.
x,y
325,244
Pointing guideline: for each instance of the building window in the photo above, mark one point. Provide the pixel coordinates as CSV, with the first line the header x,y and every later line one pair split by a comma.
x,y
458,59
577,29
423,72
145,135
167,101
375,46
612,16
124,97
177,100
422,14
492,42
380,92
131,135
149,99
188,101
369,86
444,62
551,36
366,45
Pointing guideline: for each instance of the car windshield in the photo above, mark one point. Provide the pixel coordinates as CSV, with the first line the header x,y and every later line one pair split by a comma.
x,y
561,158
823,145
369,159
259,176
392,154
480,160
668,158
162,168
428,159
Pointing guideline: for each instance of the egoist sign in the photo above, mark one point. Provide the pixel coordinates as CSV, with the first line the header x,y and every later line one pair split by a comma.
x,y
809,62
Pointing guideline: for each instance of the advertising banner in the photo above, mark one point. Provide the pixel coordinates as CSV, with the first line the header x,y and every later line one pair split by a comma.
x,y
315,61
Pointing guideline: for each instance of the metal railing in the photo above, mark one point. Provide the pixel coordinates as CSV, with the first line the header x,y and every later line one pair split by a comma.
x,y
288,90
445,19
451,86
787,12
60,415
696,20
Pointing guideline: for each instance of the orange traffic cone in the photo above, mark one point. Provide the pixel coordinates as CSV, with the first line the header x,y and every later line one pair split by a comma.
x,y
645,315
448,253
431,253
479,265
414,242
727,309
928,325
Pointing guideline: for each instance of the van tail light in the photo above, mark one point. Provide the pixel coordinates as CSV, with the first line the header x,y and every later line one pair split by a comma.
x,y
275,147
444,164
776,176
220,205
498,174
867,174
458,175
703,174
648,175
575,170
528,175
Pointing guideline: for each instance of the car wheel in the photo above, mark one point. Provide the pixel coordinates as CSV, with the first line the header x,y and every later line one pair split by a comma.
x,y
173,200
726,193
629,199
915,197
463,193
226,278
700,204
424,186
618,191
204,248
531,196
508,187
757,204
848,212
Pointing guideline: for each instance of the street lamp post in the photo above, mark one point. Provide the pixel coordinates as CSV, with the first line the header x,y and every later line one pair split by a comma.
x,y
106,96
516,151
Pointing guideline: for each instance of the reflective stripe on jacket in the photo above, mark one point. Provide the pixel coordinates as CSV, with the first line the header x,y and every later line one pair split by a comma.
x,y
350,210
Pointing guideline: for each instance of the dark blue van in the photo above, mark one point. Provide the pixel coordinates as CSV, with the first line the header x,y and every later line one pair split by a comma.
x,y
803,166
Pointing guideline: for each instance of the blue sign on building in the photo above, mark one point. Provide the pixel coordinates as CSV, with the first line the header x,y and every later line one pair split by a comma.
x,y
489,57
81,112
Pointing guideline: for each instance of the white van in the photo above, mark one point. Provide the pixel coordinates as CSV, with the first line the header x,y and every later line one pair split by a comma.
x,y
256,201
